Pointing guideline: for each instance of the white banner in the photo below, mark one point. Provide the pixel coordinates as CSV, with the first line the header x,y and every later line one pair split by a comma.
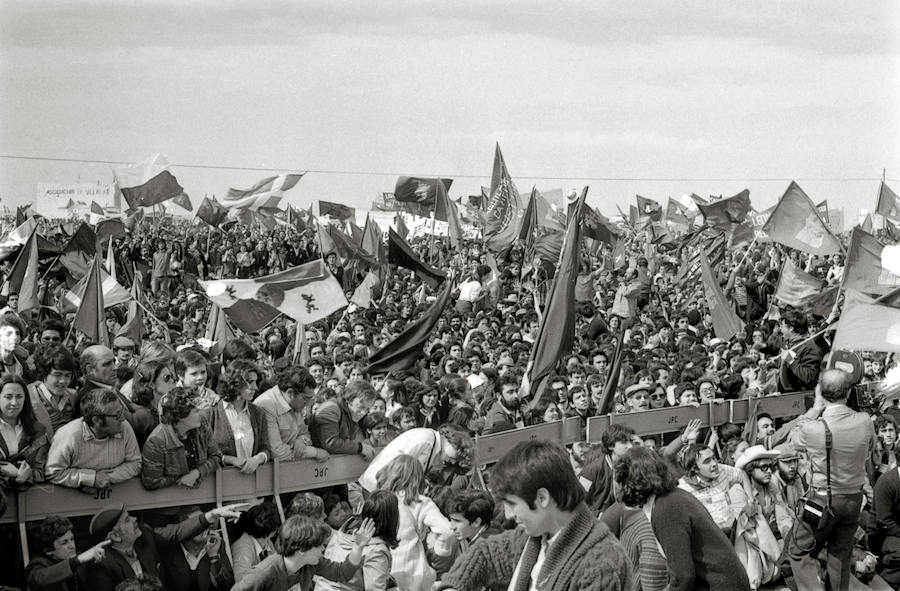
x,y
52,198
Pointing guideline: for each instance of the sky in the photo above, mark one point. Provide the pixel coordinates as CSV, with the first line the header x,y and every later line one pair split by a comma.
x,y
656,98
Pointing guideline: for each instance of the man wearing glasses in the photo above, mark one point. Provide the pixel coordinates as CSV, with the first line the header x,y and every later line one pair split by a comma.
x,y
763,499
95,451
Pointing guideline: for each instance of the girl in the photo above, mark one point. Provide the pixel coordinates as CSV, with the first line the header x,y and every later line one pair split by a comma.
x,y
23,440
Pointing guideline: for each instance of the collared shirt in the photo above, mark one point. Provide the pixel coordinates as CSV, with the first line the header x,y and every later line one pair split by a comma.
x,y
193,561
11,435
76,455
853,439
538,564
715,495
242,429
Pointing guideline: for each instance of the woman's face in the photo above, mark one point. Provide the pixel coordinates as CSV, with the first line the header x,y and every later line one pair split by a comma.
x,y
552,413
63,547
378,406
406,423
165,381
356,374
429,400
12,398
888,434
658,398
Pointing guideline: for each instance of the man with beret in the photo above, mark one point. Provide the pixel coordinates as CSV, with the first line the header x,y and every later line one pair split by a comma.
x,y
135,547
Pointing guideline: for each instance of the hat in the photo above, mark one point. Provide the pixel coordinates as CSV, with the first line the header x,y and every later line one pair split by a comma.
x,y
122,342
753,453
511,299
713,343
636,388
104,521
787,451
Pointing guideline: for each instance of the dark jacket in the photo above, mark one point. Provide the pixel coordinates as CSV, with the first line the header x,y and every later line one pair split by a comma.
x,y
32,449
115,568
218,425
47,574
333,429
164,459
211,575
271,575
802,373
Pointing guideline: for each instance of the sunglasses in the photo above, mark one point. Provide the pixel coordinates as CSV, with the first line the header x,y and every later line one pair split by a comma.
x,y
657,396
766,467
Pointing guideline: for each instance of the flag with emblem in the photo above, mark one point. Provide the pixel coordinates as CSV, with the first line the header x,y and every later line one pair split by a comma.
x,y
419,190
795,222
648,209
724,214
338,211
504,209
866,270
868,327
212,212
147,183
677,213
266,193
307,293
888,203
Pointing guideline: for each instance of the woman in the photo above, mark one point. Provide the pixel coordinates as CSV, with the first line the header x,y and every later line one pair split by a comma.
x,y
546,411
238,427
23,439
157,351
698,555
383,509
152,380
428,413
300,543
55,559
258,525
180,450
51,397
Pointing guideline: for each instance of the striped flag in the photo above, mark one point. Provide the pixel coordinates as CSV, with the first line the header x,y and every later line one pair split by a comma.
x,y
147,183
266,193
113,293
17,238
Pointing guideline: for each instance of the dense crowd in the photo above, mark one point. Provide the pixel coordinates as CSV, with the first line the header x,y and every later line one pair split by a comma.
x,y
721,508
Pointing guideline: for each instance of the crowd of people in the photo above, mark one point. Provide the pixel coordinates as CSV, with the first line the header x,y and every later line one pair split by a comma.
x,y
788,503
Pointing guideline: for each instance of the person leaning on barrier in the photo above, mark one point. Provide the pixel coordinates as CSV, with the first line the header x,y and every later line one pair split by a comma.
x,y
197,563
334,425
23,439
55,560
98,449
181,449
597,475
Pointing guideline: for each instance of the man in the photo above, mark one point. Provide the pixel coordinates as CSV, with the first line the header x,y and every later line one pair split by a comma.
x,y
285,406
637,397
135,548
801,363
710,482
598,470
11,330
123,351
97,450
853,440
559,544
887,514
12,305
505,413
52,332
791,483
335,424
197,563
471,512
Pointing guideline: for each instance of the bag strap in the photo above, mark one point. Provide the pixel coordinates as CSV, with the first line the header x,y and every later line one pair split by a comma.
x,y
828,443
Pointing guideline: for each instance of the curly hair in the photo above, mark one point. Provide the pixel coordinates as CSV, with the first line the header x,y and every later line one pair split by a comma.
x,y
233,380
50,529
176,405
259,521
301,533
307,503
460,438
296,378
55,357
642,473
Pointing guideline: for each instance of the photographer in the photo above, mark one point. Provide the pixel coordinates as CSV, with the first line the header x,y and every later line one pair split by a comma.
x,y
841,494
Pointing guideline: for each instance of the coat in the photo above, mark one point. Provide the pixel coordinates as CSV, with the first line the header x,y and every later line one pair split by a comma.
x,y
32,449
47,574
212,575
334,430
165,460
218,425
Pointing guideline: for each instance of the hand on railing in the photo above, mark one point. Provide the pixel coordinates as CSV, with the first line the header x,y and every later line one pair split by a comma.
x,y
190,480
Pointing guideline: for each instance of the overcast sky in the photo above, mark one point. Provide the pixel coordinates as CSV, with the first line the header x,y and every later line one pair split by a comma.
x,y
736,91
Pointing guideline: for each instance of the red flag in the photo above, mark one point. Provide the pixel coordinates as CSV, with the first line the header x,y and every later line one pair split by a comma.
x,y
218,330
134,321
649,209
795,222
677,213
95,208
726,323
868,327
888,203
504,209
372,240
796,286
724,214
401,228
212,212
23,277
445,210
867,224
864,270
184,201
91,316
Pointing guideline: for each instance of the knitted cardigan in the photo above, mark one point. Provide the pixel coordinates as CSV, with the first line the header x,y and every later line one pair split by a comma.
x,y
586,556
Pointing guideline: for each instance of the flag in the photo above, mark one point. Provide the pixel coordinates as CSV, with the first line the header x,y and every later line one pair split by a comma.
x,y
109,229
347,249
111,262
183,201
83,240
822,303
306,293
113,293
372,240
91,316
619,255
795,222
726,213
698,199
865,270
133,328
888,203
336,210
758,220
301,347
867,224
677,213
597,227
445,210
419,190
266,193
17,238
402,353
400,253
218,330
212,212
892,231
95,208
294,220
822,208
22,214
133,220
796,286
868,327
501,223
326,243
612,380
23,276
634,216
402,230
147,183
557,331
356,233
726,323
648,208
364,294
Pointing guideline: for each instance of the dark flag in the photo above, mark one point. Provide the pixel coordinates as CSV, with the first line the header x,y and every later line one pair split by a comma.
x,y
891,230
91,316
822,208
597,227
724,214
372,241
184,201
401,353
868,225
402,230
864,270
400,253
419,190
557,332
445,210
347,249
212,212
84,240
888,203
726,323
795,223
648,208
677,213
133,220
96,208
504,210
336,210
22,214
612,381
294,220
112,228
529,221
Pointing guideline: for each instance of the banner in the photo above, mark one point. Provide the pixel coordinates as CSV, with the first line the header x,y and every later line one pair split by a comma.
x,y
53,198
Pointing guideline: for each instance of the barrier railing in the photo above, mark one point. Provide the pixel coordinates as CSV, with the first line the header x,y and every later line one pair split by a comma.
x,y
270,479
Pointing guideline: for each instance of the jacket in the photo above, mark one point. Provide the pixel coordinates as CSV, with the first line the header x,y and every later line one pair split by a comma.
x,y
334,430
375,571
32,449
165,459
211,575
271,575
286,432
585,557
218,425
47,574
115,568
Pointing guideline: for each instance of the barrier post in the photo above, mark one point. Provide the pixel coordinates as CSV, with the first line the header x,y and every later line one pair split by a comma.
x,y
276,487
223,527
23,534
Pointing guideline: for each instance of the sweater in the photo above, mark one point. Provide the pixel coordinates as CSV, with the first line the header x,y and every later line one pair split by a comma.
x,y
648,565
698,553
585,556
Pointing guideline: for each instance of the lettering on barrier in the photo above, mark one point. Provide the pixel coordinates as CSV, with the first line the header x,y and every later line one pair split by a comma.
x,y
320,472
101,494
672,419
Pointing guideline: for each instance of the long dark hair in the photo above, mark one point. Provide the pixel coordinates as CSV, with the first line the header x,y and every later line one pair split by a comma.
x,y
382,507
27,418
642,473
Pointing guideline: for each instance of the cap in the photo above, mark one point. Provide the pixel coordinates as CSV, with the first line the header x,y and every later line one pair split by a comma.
x,y
787,451
636,388
104,521
753,453
122,342
715,342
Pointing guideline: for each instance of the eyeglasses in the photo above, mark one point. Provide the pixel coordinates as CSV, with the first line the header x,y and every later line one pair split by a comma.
x,y
657,396
766,467
168,378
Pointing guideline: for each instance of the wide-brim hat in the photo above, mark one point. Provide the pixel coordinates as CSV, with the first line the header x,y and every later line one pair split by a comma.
x,y
753,453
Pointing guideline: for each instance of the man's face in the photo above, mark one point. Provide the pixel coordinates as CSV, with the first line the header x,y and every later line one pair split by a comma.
x,y
658,398
57,381
764,428
464,529
580,400
535,522
560,389
318,373
687,398
509,393
707,392
13,302
788,469
577,378
194,377
359,408
619,449
9,338
124,355
110,423
707,466
103,370
639,401
762,471
600,363
50,337
127,528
